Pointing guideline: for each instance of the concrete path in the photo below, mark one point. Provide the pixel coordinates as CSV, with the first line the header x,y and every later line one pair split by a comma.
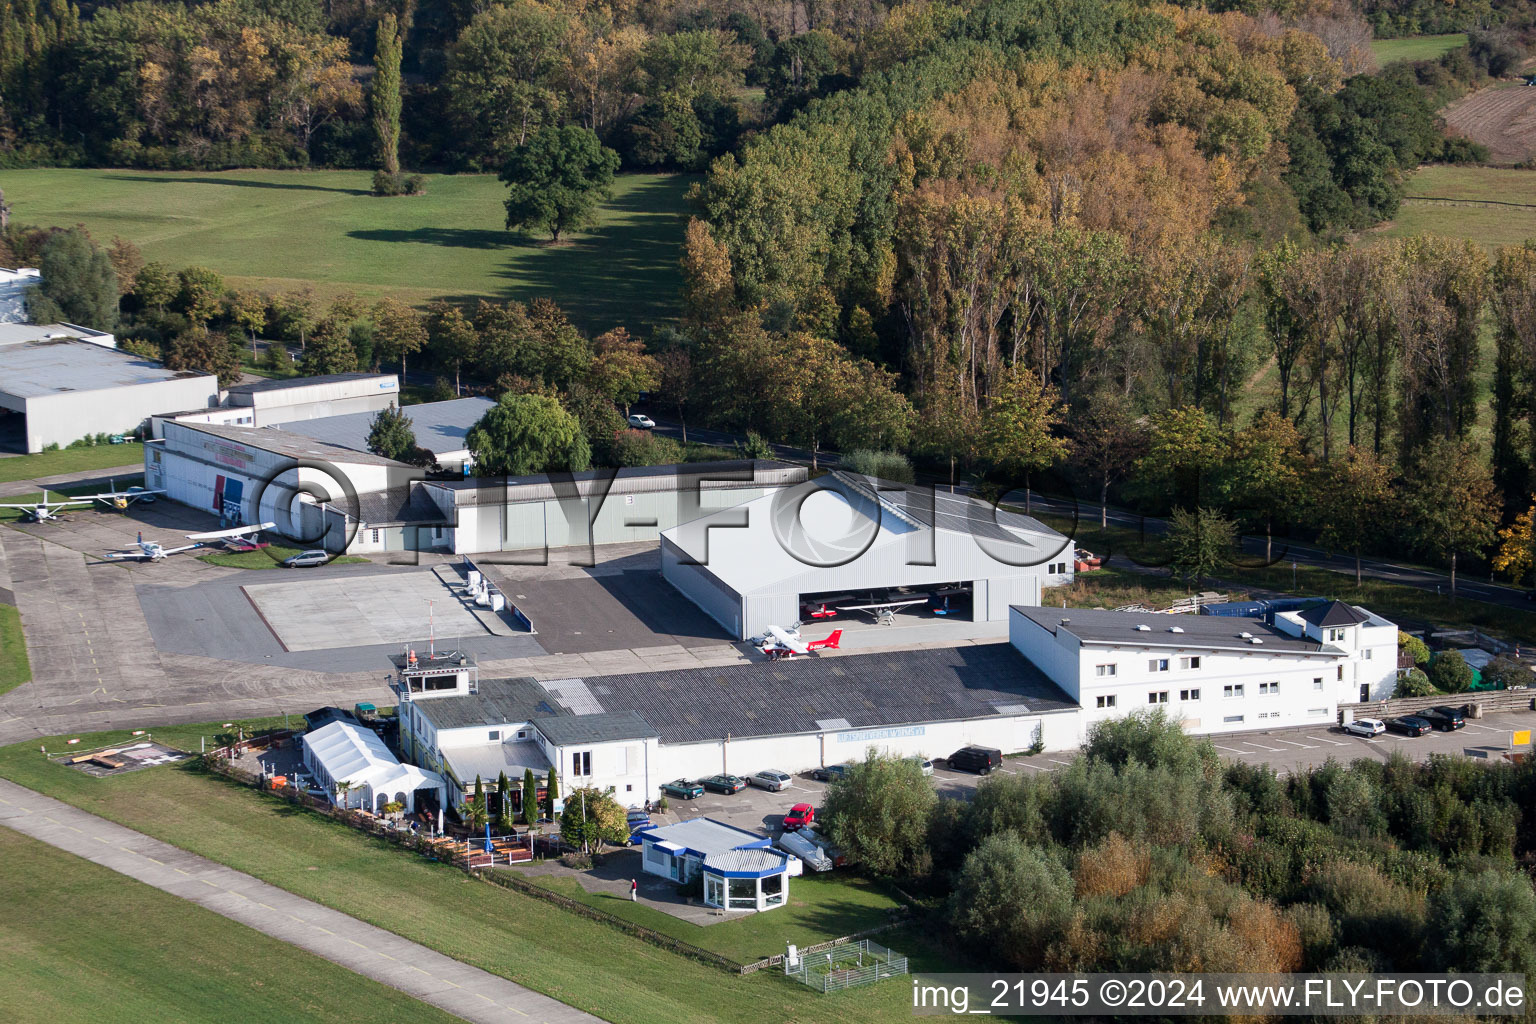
x,y
372,952
12,488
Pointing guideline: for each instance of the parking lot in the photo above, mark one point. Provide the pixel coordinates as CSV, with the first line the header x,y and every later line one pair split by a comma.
x,y
1285,750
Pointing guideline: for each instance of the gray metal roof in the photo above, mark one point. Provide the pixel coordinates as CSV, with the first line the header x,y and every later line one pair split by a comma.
x,y
58,366
704,836
439,426
957,513
1334,613
865,690
759,861
288,383
499,702
398,506
489,760
601,728
287,443
1208,631
628,480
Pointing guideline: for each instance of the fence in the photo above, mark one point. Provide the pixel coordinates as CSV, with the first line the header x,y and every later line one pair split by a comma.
x,y
899,916
849,965
1488,700
493,592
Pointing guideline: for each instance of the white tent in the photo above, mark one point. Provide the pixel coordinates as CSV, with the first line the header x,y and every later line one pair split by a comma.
x,y
344,752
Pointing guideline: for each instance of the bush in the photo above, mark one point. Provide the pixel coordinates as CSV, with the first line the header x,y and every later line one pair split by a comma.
x,y
576,860
1011,899
757,446
1414,683
1503,673
643,448
1413,645
1450,672
892,466
398,184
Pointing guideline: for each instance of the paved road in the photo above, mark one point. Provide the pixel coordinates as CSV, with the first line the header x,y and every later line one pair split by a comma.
x,y
385,957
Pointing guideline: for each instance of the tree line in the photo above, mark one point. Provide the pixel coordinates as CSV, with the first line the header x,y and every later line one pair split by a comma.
x,y
1147,853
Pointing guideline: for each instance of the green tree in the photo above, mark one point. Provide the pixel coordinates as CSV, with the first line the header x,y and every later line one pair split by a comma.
x,y
200,293
525,434
556,179
398,332
384,97
1199,543
502,79
1412,645
878,815
1351,498
1263,476
1010,899
155,285
330,349
1503,673
205,351
1450,501
1450,672
503,800
476,813
248,311
530,798
1484,922
551,793
451,339
1018,422
1107,440
391,435
78,283
593,817
1414,683
1184,448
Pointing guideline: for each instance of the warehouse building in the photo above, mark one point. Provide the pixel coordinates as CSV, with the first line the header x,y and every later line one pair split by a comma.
x,y
273,403
1215,673
251,476
846,539
60,383
634,732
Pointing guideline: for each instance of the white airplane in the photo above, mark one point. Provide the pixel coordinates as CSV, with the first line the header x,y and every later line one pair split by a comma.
x,y
46,511
151,551
122,499
779,642
884,612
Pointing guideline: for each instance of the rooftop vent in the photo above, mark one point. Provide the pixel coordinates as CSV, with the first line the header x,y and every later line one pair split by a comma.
x,y
1065,622
1246,635
1143,628
1255,640
1175,629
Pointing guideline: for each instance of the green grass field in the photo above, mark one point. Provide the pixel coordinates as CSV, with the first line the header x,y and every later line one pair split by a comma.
x,y
83,943
816,902
1386,51
266,558
585,963
15,667
70,460
1458,203
279,230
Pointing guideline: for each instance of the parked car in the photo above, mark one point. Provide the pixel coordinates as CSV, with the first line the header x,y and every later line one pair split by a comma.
x,y
924,763
799,817
638,821
980,760
1367,727
829,772
143,496
640,421
727,784
305,559
1444,718
1411,725
683,789
770,779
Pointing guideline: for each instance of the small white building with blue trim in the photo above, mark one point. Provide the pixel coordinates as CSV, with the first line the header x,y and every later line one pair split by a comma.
x,y
741,869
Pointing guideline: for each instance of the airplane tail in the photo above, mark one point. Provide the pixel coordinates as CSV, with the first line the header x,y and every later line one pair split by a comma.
x,y
833,641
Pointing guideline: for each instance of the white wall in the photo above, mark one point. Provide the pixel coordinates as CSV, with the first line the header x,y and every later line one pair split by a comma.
x,y
63,418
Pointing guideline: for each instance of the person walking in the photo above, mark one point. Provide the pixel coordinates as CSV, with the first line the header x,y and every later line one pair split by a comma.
x,y
634,890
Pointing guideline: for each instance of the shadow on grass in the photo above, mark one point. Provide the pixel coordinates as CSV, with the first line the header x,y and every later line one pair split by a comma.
x,y
455,238
240,183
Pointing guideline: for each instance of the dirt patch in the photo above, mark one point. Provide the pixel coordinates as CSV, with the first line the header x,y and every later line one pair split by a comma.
x,y
1502,117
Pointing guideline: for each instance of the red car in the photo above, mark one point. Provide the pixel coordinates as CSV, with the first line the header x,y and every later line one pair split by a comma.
x,y
799,816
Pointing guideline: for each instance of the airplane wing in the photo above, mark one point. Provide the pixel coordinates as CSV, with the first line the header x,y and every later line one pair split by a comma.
x,y
115,555
177,551
31,505
238,531
115,494
788,640
883,604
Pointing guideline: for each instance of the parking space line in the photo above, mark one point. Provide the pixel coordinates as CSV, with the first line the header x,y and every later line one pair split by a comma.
x,y
1054,761
1484,728
1308,746
1232,750
1324,739
1256,743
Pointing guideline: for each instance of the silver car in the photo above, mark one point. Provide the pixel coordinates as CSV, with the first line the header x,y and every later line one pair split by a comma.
x,y
770,779
305,559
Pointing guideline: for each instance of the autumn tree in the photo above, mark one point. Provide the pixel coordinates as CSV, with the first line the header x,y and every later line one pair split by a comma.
x,y
675,384
1018,424
622,369
707,283
205,351
1263,476
1351,501
316,87
451,339
1512,299
1515,555
398,332
1449,501
247,310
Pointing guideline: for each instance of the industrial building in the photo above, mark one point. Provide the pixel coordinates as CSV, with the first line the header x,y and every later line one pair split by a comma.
x,y
59,383
273,403
851,540
1215,673
440,428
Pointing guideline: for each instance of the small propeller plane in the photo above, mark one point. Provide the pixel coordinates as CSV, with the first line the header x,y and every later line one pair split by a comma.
x,y
122,499
151,551
780,643
46,511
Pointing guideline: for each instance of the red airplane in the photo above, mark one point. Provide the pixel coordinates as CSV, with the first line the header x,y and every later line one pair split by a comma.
x,y
781,643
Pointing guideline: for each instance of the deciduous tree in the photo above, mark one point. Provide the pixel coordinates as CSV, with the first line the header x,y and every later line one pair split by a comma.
x,y
878,815
1450,502
384,97
398,332
524,434
1351,500
392,435
556,179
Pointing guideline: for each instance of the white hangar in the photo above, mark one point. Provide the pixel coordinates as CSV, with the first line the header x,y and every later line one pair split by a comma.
x,y
851,539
